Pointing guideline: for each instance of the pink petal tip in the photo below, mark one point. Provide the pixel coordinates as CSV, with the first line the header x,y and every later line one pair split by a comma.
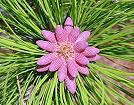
x,y
68,22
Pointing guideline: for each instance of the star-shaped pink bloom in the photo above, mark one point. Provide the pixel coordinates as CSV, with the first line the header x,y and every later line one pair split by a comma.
x,y
67,53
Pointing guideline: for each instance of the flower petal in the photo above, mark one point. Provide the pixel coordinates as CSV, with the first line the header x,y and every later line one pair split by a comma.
x,y
80,46
83,70
71,64
62,72
81,59
48,35
71,85
46,59
42,68
83,36
94,58
90,51
68,22
47,45
68,26
74,34
55,64
60,34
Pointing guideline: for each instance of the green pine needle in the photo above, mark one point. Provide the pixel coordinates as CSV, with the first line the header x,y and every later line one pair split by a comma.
x,y
112,31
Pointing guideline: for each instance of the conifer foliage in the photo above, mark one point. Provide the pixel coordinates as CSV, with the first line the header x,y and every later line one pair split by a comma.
x,y
112,31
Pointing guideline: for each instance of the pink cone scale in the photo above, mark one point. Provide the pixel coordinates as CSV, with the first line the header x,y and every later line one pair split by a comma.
x,y
68,53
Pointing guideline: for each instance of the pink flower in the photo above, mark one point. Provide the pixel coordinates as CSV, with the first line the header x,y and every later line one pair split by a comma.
x,y
67,53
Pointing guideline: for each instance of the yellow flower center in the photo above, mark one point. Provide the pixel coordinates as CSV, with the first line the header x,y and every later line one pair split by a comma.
x,y
66,50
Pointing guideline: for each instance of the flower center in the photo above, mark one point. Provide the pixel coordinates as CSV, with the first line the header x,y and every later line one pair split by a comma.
x,y
66,50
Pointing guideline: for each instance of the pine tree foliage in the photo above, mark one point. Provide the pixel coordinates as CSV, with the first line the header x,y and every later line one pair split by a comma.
x,y
21,22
